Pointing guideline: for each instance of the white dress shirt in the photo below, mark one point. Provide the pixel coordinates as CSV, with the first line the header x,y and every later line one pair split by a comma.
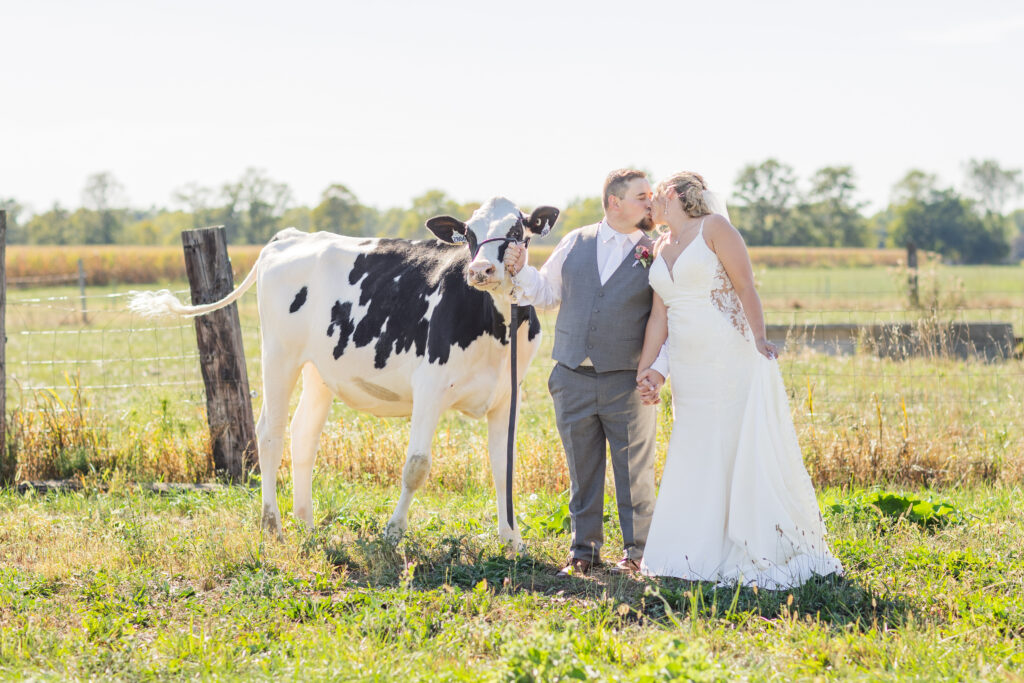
x,y
543,288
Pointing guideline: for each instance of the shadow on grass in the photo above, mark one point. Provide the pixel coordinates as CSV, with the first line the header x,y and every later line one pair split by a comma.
x,y
834,600
429,563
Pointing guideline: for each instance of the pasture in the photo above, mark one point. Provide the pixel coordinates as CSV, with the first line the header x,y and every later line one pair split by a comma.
x,y
110,581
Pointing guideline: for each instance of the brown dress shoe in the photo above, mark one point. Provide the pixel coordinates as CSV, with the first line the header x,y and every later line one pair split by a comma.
x,y
626,566
576,566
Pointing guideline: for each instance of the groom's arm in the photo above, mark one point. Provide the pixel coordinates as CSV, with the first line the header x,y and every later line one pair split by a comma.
x,y
540,288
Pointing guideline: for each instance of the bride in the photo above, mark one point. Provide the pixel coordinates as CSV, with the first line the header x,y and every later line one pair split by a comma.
x,y
736,504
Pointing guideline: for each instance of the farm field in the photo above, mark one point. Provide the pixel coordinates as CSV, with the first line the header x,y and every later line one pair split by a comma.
x,y
127,584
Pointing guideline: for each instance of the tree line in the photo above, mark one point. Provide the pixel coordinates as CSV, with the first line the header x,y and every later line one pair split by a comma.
x,y
770,207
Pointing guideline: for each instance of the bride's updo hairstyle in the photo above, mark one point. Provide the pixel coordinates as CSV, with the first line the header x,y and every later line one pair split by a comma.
x,y
690,188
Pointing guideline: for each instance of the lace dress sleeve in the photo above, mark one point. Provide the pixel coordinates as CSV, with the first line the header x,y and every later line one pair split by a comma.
x,y
725,299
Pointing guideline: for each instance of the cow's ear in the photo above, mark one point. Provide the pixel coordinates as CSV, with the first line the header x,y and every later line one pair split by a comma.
x,y
542,220
447,229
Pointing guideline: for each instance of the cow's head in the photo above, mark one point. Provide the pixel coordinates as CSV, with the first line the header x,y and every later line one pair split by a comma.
x,y
487,232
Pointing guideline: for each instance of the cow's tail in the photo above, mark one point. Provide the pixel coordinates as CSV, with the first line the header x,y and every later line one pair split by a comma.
x,y
164,303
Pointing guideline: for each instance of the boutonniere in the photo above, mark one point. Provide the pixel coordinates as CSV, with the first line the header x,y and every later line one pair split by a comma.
x,y
643,256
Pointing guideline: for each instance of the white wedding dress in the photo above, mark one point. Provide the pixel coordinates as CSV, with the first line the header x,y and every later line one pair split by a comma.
x,y
735,504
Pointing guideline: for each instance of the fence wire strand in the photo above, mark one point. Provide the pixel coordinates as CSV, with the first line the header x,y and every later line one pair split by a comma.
x,y
119,357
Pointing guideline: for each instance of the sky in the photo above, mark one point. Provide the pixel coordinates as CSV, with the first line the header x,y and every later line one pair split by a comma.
x,y
535,101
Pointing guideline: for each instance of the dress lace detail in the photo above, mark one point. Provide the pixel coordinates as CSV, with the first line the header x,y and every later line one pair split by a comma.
x,y
725,299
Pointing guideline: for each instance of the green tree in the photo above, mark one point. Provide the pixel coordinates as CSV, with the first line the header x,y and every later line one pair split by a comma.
x,y
949,224
253,206
51,227
198,199
577,213
339,211
764,195
298,217
386,223
834,211
102,194
992,185
15,232
430,203
1017,222
158,227
916,184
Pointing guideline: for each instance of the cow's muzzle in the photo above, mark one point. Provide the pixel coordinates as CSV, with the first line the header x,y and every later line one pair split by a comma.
x,y
483,275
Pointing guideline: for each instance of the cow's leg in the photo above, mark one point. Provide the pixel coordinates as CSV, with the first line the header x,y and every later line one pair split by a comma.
x,y
426,412
278,381
497,447
308,422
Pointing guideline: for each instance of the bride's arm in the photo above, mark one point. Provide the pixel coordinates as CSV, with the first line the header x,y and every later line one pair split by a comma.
x,y
727,242
655,334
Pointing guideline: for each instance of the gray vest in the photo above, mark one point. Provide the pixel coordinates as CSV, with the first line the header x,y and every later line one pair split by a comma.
x,y
603,322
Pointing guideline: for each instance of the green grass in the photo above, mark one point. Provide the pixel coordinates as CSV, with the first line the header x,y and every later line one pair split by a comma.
x,y
134,585
919,466
879,295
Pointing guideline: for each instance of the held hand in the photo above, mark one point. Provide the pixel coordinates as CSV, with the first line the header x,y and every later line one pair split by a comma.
x,y
767,349
515,258
649,383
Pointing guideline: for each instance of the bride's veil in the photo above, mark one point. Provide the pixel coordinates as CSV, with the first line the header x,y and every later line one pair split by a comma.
x,y
716,204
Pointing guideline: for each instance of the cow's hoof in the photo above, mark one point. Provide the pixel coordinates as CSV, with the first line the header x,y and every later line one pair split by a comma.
x,y
513,540
393,532
271,523
305,518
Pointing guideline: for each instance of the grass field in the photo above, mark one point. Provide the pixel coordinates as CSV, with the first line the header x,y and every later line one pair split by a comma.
x,y
124,585
129,585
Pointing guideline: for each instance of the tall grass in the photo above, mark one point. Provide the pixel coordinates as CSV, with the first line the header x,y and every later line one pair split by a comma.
x,y
59,435
861,420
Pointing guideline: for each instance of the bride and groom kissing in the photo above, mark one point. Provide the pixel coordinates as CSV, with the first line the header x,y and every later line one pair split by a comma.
x,y
735,504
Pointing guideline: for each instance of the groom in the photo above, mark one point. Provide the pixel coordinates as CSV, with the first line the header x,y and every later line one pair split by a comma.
x,y
600,285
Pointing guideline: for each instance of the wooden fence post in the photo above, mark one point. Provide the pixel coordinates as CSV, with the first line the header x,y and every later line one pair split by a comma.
x,y
912,273
3,337
219,334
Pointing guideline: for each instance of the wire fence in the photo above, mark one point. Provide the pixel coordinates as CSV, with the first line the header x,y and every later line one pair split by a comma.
x,y
937,410
116,359
121,360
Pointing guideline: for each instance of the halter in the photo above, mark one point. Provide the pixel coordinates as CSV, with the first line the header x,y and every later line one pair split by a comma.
x,y
504,240
474,246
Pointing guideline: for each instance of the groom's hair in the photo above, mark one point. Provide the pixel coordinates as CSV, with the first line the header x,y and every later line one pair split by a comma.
x,y
616,182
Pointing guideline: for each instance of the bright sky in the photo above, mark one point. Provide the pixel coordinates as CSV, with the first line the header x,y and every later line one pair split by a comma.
x,y
533,100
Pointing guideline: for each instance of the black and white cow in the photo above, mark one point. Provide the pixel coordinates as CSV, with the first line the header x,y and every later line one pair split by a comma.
x,y
391,327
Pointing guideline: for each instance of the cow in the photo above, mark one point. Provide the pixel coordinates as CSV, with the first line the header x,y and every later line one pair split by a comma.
x,y
391,327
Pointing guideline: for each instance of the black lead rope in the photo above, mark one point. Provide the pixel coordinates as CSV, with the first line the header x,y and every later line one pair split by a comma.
x,y
514,323
509,464
515,320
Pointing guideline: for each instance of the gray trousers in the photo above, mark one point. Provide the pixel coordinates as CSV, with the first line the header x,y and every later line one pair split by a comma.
x,y
596,411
